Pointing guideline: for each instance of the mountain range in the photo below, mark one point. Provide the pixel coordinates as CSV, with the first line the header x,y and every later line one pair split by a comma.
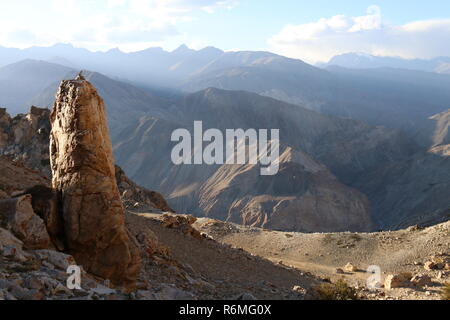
x,y
360,149
368,61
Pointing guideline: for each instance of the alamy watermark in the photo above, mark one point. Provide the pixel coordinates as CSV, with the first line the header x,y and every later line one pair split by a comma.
x,y
74,280
374,280
234,146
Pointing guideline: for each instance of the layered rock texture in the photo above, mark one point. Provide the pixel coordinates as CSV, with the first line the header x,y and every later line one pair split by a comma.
x,y
84,176
24,138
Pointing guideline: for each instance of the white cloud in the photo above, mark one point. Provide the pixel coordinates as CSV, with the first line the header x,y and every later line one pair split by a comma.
x,y
65,6
100,24
321,40
115,3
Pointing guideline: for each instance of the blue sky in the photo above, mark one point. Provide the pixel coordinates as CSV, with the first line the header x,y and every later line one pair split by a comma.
x,y
310,30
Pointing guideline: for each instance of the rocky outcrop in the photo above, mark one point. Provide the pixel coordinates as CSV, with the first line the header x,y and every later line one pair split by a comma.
x,y
183,223
24,138
84,175
304,196
17,215
16,178
138,198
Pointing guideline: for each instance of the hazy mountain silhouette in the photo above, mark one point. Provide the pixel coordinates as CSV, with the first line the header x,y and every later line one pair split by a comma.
x,y
367,61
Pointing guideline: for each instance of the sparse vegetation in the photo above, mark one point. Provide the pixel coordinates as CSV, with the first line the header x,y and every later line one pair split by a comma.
x,y
335,291
445,293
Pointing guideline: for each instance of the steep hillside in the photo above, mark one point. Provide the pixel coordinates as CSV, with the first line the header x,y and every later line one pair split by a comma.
x,y
22,81
435,133
305,195
399,99
414,191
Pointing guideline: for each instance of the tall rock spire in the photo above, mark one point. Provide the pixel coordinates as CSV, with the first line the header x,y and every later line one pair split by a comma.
x,y
84,175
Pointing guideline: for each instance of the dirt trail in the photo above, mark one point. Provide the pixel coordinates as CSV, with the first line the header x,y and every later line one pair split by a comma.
x,y
322,254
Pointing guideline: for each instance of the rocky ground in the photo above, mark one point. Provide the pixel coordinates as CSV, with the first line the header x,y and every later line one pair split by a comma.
x,y
174,268
414,262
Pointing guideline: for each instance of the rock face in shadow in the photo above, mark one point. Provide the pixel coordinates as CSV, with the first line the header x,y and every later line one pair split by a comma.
x,y
137,198
17,215
84,176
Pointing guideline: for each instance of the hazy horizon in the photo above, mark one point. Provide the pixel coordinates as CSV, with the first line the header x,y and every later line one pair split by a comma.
x,y
313,32
213,47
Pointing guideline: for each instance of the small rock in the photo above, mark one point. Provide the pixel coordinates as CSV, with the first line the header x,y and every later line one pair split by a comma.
x,y
61,289
58,259
33,282
102,290
299,289
145,295
350,268
430,265
413,228
7,284
245,297
170,293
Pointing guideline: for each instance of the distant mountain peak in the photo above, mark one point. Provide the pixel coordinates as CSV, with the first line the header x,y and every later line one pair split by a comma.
x,y
211,49
114,50
63,45
183,49
360,60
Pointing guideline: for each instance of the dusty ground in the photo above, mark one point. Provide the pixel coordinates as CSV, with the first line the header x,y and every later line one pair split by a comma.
x,y
217,270
322,254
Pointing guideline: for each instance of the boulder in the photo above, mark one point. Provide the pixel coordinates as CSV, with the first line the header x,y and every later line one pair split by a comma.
x,y
84,177
17,215
9,240
44,202
421,280
401,280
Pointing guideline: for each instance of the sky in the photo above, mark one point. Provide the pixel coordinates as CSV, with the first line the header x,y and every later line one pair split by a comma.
x,y
310,30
